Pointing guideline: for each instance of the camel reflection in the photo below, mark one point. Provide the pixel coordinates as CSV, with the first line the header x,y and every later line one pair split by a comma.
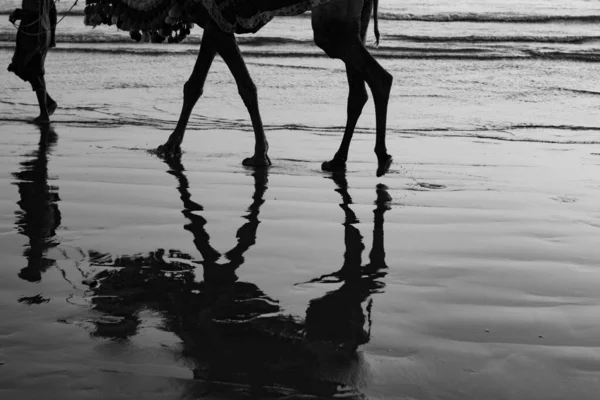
x,y
338,316
39,216
232,331
218,276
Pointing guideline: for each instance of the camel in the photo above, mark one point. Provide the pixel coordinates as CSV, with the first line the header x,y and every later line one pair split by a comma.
x,y
339,29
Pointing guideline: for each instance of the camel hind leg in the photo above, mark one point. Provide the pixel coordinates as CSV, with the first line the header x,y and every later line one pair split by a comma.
x,y
339,28
357,98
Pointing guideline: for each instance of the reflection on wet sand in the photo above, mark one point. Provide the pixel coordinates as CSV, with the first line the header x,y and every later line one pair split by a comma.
x,y
233,333
338,316
39,216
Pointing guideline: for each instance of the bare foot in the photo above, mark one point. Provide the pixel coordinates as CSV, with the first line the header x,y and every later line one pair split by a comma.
x,y
52,106
384,163
334,165
257,161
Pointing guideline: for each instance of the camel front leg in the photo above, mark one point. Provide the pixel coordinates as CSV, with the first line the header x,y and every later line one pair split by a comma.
x,y
357,98
192,90
230,52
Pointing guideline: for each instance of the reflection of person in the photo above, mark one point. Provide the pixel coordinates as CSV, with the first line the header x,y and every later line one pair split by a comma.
x,y
338,316
35,37
40,215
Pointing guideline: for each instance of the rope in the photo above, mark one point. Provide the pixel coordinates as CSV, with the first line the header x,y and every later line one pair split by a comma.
x,y
68,11
38,20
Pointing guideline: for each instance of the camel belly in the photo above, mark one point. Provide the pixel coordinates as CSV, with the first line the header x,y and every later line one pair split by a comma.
x,y
337,10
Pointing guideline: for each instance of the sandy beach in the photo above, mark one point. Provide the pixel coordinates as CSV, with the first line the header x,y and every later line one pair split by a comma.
x,y
477,250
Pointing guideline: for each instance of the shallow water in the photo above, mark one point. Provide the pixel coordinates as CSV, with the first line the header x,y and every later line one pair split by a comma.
x,y
489,232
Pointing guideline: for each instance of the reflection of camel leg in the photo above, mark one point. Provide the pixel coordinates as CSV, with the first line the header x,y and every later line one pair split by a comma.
x,y
192,90
377,254
337,30
246,235
338,317
353,240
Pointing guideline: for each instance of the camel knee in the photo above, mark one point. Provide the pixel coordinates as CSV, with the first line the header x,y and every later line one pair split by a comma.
x,y
357,98
381,86
248,93
388,80
191,91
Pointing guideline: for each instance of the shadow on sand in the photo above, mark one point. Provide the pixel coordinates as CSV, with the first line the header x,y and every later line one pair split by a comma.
x,y
236,336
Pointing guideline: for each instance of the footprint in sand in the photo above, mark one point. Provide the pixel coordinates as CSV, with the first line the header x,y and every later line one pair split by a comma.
x,y
564,199
434,186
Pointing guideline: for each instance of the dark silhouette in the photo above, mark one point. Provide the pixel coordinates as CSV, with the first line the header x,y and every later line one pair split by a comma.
x,y
339,29
35,37
338,316
232,331
39,216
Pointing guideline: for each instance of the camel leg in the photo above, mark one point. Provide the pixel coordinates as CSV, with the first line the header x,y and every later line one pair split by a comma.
x,y
357,99
192,90
337,30
379,80
228,49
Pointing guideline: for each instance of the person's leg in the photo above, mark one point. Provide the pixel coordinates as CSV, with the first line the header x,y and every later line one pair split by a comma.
x,y
39,86
51,104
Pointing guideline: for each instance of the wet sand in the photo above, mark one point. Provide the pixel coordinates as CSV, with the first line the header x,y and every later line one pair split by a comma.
x,y
467,272
486,255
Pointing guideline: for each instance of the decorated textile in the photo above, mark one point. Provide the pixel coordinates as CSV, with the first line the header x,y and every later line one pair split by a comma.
x,y
172,19
34,38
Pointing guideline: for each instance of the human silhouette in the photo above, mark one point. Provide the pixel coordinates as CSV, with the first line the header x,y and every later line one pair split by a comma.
x,y
39,216
36,35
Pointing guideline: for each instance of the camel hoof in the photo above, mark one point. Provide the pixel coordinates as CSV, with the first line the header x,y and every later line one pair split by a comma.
x,y
384,164
334,166
257,161
41,120
166,150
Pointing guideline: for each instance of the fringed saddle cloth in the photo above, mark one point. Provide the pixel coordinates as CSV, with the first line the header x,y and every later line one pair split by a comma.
x,y
164,17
